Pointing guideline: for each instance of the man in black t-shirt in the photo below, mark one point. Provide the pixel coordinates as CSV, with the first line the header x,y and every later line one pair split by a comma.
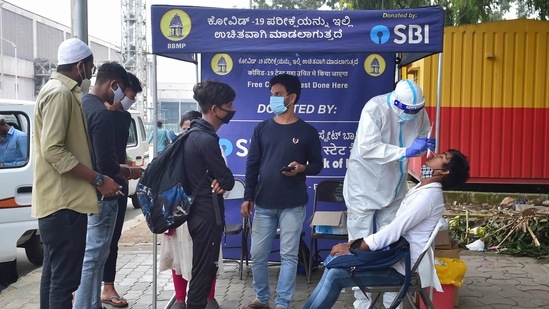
x,y
284,149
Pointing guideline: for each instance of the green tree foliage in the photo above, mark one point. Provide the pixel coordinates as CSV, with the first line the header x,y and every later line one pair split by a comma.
x,y
533,9
458,12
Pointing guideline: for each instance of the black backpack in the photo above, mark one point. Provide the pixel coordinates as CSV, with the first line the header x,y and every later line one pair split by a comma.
x,y
160,192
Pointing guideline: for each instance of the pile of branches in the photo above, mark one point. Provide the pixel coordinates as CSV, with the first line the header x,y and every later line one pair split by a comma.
x,y
516,233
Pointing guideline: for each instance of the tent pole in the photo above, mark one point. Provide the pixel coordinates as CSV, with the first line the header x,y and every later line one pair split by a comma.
x,y
154,97
439,95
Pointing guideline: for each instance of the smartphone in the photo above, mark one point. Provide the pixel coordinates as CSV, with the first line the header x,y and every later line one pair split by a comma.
x,y
287,169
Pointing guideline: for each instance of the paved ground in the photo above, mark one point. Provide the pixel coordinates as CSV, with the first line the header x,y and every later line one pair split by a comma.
x,y
492,281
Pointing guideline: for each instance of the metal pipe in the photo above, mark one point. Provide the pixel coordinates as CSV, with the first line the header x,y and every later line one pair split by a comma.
x,y
154,99
439,94
79,25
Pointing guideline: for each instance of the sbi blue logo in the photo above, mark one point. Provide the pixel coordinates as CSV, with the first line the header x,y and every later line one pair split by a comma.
x,y
403,34
226,145
380,34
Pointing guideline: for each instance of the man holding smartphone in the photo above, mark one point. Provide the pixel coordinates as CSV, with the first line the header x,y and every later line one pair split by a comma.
x,y
286,142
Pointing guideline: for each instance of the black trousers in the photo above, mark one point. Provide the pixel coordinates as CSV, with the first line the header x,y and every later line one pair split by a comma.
x,y
64,236
109,272
206,237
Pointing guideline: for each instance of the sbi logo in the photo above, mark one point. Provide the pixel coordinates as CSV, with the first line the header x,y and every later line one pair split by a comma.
x,y
228,147
411,34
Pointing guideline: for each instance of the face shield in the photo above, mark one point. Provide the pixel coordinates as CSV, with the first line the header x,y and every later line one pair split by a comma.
x,y
407,100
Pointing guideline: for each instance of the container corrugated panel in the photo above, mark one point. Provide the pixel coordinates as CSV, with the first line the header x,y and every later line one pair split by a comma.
x,y
495,99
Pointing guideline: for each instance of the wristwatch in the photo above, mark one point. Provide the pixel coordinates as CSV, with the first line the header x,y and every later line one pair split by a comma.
x,y
98,180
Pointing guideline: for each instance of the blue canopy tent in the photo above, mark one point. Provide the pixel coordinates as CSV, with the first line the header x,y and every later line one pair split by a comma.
x,y
236,42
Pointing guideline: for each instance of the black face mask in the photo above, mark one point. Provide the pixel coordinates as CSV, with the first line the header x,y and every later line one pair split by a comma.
x,y
227,117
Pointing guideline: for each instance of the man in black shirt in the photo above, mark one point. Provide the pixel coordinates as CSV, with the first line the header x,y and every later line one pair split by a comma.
x,y
207,173
284,149
112,80
121,121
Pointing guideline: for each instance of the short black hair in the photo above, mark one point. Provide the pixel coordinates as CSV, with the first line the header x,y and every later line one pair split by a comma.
x,y
68,67
112,71
290,82
459,170
135,83
211,92
189,115
159,123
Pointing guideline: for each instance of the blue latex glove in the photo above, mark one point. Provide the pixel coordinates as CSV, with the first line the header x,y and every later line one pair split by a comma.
x,y
419,146
431,144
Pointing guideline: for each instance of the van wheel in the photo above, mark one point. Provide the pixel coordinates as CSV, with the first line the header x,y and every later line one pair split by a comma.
x,y
135,202
34,250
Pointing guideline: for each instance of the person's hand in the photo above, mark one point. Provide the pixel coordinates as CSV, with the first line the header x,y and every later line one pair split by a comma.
x,y
299,168
431,144
343,248
246,209
135,172
419,146
109,188
216,187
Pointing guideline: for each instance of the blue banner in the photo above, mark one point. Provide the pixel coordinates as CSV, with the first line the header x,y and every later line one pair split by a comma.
x,y
335,88
187,29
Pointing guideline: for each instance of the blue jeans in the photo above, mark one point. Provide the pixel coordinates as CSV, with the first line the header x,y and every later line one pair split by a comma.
x,y
266,221
98,241
64,236
335,279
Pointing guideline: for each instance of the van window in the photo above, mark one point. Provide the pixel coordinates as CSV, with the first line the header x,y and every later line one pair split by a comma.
x,y
132,137
143,133
14,139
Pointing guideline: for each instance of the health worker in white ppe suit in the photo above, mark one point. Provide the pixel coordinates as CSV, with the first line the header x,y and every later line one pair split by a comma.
x,y
392,128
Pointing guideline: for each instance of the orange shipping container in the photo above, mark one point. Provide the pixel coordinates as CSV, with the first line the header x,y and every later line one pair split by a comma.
x,y
495,99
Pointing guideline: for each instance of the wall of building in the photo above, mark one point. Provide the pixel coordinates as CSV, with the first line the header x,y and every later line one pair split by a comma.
x,y
495,98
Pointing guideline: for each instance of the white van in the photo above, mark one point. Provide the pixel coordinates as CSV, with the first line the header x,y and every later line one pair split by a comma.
x,y
17,227
138,150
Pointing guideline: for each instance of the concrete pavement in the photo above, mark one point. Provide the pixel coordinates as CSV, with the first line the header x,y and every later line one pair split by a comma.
x,y
492,281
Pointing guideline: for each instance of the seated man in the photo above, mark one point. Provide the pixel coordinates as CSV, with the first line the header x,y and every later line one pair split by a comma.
x,y
415,220
14,146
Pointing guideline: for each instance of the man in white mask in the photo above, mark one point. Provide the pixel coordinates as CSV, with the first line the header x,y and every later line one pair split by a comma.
x,y
392,128
112,79
63,186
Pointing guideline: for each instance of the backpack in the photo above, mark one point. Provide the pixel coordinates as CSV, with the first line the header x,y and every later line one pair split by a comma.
x,y
160,192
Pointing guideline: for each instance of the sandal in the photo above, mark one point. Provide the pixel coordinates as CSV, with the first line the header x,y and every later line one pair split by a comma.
x,y
256,305
120,301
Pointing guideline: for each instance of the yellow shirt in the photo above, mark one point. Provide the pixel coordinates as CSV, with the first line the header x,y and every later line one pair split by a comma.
x,y
60,140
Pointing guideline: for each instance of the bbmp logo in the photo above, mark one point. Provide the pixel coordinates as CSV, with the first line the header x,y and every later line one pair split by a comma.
x,y
175,25
410,34
221,64
374,65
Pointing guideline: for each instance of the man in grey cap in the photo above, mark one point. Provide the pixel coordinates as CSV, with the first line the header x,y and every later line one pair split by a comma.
x,y
64,181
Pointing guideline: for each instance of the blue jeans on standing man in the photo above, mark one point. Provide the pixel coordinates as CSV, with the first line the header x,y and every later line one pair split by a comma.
x,y
98,241
64,236
266,221
334,280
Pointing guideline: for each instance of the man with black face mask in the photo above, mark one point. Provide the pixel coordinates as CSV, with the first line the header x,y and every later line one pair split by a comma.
x,y
207,173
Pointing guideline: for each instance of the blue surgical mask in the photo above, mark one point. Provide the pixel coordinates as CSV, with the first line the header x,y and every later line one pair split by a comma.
x,y
407,117
277,105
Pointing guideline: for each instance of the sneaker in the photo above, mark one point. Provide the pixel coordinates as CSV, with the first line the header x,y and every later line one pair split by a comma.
x,y
212,304
179,305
